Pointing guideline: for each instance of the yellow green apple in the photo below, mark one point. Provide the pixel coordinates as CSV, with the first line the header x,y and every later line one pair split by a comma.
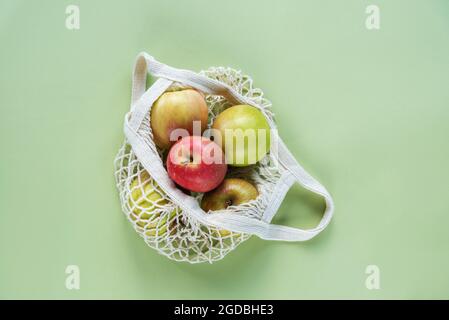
x,y
162,225
177,109
145,198
243,133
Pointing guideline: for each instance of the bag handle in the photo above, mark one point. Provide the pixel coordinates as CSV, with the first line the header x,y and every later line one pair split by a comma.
x,y
268,231
140,105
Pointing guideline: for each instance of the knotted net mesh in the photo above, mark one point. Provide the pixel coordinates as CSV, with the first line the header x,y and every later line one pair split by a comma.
x,y
160,221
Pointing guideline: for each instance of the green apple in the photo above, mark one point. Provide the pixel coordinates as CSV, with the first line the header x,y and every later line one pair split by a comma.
x,y
145,198
231,192
177,110
243,133
161,226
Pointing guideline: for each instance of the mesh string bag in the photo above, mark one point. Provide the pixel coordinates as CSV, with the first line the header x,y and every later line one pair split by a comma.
x,y
171,221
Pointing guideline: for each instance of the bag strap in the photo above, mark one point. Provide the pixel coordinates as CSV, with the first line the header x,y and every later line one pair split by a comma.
x,y
142,99
140,105
268,231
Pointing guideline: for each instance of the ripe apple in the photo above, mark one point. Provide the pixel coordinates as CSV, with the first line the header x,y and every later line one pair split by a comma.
x,y
243,133
231,192
196,164
145,200
162,225
177,110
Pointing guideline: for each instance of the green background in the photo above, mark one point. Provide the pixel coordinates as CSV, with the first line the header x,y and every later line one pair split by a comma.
x,y
365,112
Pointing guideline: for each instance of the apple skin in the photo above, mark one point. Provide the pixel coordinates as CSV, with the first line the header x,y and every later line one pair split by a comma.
x,y
231,191
161,227
177,110
145,203
243,117
189,166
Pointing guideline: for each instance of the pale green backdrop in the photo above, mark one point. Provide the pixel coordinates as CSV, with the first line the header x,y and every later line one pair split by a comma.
x,y
365,111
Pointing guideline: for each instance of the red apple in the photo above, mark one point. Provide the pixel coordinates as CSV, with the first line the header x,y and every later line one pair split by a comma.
x,y
177,110
196,163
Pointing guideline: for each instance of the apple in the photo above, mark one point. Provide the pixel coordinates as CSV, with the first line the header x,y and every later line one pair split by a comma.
x,y
231,192
243,133
161,226
177,110
196,164
145,198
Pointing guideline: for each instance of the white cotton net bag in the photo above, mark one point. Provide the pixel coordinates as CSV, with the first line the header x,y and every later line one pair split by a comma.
x,y
171,221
